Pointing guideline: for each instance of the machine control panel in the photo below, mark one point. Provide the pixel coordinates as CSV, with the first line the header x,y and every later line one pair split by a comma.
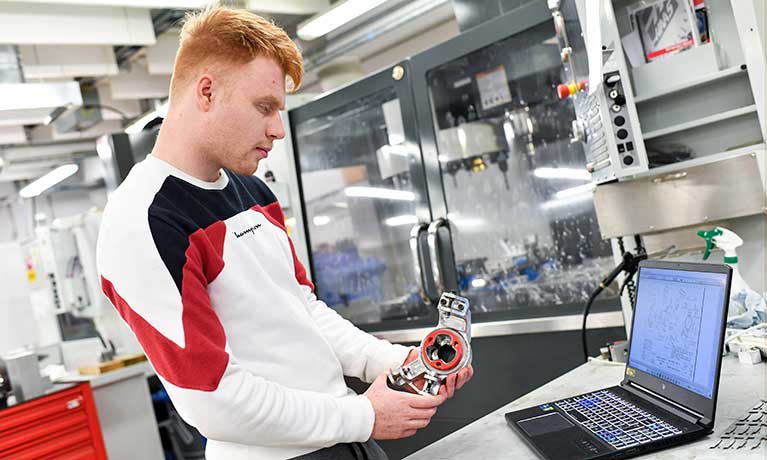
x,y
613,150
624,139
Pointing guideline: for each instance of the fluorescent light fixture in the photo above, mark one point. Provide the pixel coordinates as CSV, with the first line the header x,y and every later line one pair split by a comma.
x,y
319,221
478,283
103,148
382,193
342,13
508,131
399,149
138,125
565,202
466,222
396,138
573,191
562,173
462,138
405,219
341,204
47,181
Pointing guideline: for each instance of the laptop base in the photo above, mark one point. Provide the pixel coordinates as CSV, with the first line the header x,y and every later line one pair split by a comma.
x,y
554,435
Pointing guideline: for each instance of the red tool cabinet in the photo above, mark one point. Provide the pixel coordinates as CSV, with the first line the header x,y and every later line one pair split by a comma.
x,y
61,426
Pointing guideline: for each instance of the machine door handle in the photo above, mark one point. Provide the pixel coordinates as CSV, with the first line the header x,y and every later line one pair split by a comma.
x,y
415,251
432,240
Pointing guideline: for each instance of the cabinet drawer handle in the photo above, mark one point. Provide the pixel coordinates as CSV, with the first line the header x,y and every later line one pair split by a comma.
x,y
73,403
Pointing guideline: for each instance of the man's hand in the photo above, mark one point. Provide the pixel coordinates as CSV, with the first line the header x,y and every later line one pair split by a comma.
x,y
451,383
399,414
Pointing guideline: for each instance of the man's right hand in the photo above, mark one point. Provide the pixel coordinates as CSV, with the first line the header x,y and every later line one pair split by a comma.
x,y
399,414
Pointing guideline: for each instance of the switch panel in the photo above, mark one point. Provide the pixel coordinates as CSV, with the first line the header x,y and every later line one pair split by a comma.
x,y
606,119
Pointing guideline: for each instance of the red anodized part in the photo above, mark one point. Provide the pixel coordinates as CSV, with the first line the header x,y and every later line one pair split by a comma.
x,y
438,363
563,91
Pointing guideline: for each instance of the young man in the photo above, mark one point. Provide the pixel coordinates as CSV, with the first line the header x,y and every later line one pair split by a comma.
x,y
194,255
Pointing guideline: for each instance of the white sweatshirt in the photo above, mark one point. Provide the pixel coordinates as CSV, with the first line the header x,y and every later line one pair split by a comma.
x,y
208,280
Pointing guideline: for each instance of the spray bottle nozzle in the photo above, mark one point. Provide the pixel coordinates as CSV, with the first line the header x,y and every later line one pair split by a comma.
x,y
709,236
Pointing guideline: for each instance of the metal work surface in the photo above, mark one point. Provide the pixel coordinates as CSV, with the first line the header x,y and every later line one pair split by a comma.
x,y
490,438
698,188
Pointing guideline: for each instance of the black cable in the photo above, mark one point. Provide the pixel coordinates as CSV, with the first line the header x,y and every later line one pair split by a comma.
x,y
107,107
629,264
586,310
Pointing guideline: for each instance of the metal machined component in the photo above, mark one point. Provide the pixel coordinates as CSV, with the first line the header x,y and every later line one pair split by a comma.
x,y
444,351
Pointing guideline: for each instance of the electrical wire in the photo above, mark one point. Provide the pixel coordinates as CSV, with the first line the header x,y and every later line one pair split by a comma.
x,y
630,265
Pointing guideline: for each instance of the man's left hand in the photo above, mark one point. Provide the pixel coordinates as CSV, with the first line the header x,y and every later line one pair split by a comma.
x,y
451,383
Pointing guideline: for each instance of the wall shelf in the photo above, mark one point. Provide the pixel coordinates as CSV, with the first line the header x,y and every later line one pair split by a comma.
x,y
700,122
703,80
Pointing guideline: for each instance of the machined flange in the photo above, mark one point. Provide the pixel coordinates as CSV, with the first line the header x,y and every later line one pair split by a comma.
x,y
444,351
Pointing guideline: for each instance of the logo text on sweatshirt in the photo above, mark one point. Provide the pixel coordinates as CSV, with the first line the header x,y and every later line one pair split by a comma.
x,y
246,231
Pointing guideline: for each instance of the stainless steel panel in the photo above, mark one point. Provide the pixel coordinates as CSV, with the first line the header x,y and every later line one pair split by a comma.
x,y
722,190
515,327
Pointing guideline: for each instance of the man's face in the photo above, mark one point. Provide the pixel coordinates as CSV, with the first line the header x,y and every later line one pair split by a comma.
x,y
244,120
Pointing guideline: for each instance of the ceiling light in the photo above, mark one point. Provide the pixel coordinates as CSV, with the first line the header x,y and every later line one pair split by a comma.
x,y
466,222
573,191
342,13
562,173
405,219
319,221
399,149
565,202
47,181
382,193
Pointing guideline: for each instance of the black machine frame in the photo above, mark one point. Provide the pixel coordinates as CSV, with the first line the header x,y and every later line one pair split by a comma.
x,y
518,21
377,82
412,91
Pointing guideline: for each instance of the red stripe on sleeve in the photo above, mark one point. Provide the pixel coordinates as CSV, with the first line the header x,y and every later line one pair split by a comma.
x,y
200,365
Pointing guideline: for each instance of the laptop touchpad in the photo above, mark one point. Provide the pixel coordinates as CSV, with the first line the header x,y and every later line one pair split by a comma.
x,y
544,424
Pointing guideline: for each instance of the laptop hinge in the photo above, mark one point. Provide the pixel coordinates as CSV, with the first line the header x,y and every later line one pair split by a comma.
x,y
671,406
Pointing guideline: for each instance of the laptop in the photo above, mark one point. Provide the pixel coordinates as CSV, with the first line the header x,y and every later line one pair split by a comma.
x,y
668,393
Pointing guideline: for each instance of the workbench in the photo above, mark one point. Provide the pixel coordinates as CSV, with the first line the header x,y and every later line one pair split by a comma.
x,y
490,438
125,412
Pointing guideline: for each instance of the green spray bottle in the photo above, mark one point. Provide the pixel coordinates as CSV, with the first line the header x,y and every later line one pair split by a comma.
x,y
747,307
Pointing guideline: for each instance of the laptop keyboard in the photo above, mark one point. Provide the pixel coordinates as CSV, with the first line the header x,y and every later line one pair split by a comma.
x,y
615,420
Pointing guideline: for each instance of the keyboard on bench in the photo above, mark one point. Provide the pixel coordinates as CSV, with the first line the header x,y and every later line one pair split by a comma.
x,y
615,420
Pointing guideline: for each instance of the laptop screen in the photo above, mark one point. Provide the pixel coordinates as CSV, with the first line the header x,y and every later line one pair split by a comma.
x,y
677,323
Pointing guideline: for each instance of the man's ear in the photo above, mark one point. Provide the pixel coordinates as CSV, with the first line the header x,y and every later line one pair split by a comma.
x,y
203,92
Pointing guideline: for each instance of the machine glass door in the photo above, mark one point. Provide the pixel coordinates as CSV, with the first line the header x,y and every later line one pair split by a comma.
x,y
361,188
518,198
